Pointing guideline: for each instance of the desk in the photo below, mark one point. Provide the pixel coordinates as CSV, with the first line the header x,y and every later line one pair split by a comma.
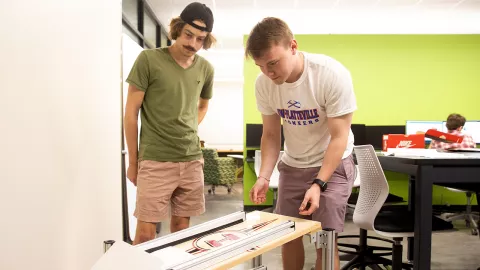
x,y
424,173
239,159
226,152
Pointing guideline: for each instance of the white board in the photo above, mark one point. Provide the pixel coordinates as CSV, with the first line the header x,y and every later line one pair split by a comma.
x,y
130,52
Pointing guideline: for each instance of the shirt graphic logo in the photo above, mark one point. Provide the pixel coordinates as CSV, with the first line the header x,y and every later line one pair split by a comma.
x,y
298,117
294,103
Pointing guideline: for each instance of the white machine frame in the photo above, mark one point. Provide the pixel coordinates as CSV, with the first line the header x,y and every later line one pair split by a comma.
x,y
323,239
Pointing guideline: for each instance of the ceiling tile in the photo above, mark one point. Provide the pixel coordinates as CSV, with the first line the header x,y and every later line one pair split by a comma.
x,y
470,5
349,4
183,3
274,4
234,4
396,3
314,4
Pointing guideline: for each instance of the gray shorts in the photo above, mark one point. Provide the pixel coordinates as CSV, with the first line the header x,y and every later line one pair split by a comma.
x,y
294,182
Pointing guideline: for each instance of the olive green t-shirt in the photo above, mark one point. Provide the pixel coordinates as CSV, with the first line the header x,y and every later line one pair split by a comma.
x,y
169,112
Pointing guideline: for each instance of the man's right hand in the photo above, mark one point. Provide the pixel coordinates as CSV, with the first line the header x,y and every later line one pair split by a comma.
x,y
132,173
258,193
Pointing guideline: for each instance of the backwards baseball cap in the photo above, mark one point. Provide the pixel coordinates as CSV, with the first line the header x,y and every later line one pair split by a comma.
x,y
198,11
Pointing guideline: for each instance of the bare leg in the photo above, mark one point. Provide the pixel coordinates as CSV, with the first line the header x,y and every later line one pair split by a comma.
x,y
336,264
293,255
179,223
145,232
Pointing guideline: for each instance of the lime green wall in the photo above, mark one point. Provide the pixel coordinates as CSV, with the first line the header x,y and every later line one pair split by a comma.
x,y
397,78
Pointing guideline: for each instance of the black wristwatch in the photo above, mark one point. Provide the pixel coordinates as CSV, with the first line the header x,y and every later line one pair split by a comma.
x,y
323,185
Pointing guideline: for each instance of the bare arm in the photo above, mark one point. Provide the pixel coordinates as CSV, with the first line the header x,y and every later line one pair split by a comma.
x,y
339,128
134,102
270,144
202,109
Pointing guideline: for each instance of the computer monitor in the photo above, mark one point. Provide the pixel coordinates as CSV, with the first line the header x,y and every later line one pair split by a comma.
x,y
471,128
414,127
359,133
254,136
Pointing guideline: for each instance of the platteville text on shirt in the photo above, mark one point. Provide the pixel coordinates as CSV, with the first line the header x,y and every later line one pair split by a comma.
x,y
302,117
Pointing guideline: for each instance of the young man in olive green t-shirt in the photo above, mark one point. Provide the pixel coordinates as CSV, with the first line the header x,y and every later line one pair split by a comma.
x,y
172,86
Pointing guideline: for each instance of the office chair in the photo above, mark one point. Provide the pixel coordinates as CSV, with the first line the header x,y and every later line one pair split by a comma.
x,y
362,249
368,216
468,216
352,199
218,171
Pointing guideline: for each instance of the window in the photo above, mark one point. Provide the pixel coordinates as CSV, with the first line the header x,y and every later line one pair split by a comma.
x,y
150,30
130,10
163,39
141,24
130,33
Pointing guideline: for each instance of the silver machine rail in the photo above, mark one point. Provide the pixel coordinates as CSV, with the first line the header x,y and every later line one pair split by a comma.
x,y
192,232
324,239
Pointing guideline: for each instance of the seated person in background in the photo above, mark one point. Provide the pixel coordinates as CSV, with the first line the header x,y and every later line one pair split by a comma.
x,y
455,123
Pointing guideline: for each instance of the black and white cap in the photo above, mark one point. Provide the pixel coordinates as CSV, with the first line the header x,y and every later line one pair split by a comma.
x,y
198,11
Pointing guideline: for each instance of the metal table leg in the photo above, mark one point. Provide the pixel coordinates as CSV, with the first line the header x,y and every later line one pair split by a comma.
x,y
423,219
260,268
257,261
325,240
411,207
107,244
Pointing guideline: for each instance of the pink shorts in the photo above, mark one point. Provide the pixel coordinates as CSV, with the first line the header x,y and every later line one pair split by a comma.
x,y
175,184
294,182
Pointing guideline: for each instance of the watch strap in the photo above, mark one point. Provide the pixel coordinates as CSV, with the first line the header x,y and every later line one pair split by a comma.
x,y
322,184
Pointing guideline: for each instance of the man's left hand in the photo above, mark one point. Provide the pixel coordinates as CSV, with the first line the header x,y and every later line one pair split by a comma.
x,y
312,196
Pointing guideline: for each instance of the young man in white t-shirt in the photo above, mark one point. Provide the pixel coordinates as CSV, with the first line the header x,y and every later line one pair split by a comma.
x,y
313,95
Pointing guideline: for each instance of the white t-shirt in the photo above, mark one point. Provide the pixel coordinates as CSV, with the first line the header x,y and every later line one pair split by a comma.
x,y
325,89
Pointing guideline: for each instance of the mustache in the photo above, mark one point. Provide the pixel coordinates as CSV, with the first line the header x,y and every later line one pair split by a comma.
x,y
189,48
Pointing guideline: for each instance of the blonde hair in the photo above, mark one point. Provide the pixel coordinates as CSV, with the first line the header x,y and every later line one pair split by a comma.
x,y
176,27
270,31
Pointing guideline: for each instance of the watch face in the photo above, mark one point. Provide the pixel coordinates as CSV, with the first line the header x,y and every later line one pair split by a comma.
x,y
323,185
